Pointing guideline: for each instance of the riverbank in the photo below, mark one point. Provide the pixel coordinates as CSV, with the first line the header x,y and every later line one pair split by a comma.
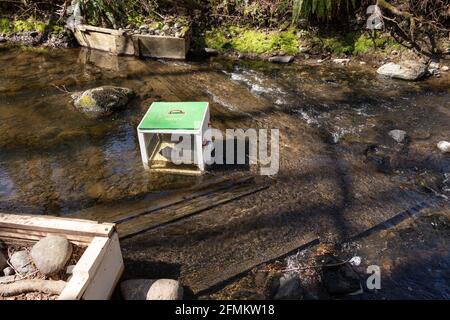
x,y
233,41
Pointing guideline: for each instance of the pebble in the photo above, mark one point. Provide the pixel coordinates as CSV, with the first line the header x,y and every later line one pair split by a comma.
x,y
445,68
50,254
21,262
341,61
8,271
281,59
398,135
304,49
444,146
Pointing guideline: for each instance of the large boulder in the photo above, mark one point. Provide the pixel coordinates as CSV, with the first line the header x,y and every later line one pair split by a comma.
x,y
50,254
102,101
21,262
406,70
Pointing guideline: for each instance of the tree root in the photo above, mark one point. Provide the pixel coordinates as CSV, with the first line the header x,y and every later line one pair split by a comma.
x,y
32,285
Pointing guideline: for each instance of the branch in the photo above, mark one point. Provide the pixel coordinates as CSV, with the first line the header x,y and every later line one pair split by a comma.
x,y
25,286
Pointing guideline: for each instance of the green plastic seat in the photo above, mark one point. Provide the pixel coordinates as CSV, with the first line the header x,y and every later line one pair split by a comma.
x,y
174,116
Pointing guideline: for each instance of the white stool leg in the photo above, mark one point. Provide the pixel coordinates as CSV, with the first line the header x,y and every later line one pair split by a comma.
x,y
199,151
143,147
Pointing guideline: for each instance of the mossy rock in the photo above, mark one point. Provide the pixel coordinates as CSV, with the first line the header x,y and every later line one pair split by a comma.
x,y
102,101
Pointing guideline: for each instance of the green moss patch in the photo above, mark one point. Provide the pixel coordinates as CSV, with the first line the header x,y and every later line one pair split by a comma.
x,y
251,40
8,26
355,43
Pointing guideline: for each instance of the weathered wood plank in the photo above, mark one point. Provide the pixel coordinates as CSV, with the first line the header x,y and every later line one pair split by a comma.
x,y
214,278
55,224
209,200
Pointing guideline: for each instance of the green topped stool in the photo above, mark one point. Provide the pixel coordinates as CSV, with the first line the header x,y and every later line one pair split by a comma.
x,y
162,120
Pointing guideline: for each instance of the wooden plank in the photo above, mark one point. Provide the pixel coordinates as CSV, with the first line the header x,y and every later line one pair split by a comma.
x,y
33,235
85,269
214,278
133,208
55,224
107,274
86,27
149,221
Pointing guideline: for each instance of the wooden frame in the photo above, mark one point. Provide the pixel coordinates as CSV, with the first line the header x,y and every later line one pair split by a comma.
x,y
117,42
100,267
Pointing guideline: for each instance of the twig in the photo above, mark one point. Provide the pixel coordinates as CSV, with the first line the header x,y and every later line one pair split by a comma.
x,y
318,266
62,88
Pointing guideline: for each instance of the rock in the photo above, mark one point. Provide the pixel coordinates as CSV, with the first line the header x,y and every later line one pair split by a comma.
x,y
211,52
433,69
363,63
102,101
135,289
3,261
281,59
405,70
444,146
143,27
165,289
50,254
445,68
289,288
149,289
69,269
304,49
434,65
340,279
397,135
355,261
21,262
341,61
2,39
8,271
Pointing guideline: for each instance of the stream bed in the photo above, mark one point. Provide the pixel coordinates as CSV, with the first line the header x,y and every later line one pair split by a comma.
x,y
340,172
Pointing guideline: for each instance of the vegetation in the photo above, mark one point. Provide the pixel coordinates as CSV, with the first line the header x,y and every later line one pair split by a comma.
x,y
238,24
248,40
8,26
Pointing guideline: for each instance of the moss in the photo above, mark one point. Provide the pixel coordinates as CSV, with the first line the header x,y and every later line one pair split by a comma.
x,y
5,26
29,25
86,102
251,40
355,43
